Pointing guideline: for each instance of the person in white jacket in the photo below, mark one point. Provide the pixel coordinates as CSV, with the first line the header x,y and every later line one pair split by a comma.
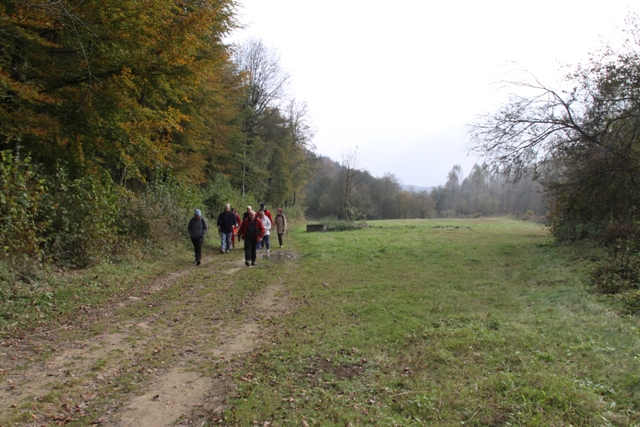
x,y
267,226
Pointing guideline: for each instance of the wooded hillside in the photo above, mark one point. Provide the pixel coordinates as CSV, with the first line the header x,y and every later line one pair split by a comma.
x,y
118,117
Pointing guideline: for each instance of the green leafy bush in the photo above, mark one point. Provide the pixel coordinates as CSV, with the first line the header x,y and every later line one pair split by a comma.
x,y
21,192
620,234
631,302
168,205
618,272
81,215
219,192
158,214
292,212
568,231
334,224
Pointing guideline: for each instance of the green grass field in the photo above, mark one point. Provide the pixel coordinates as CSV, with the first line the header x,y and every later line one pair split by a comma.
x,y
479,322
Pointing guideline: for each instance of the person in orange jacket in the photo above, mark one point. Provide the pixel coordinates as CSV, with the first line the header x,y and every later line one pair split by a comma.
x,y
235,228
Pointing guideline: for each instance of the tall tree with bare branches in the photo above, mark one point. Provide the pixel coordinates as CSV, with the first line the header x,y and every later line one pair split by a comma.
x,y
583,143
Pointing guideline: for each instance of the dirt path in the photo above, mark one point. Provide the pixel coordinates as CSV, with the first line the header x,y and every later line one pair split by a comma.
x,y
154,370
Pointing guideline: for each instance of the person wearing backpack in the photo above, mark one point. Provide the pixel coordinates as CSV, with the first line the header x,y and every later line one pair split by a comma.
x,y
197,228
281,225
251,231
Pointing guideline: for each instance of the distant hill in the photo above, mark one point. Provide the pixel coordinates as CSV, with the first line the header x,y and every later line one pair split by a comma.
x,y
416,189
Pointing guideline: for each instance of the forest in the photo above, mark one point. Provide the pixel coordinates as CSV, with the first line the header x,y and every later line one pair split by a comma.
x,y
481,193
119,117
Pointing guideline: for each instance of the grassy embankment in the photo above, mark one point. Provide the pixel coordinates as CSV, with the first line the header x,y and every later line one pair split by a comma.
x,y
420,323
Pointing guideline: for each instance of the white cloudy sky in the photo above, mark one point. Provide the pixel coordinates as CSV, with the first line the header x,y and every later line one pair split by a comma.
x,y
401,80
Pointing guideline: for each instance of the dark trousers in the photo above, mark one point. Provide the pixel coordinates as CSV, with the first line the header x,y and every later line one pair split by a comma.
x,y
280,239
197,246
250,246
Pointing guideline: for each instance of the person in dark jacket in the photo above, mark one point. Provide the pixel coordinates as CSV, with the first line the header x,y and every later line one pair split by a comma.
x,y
226,221
197,229
246,214
251,231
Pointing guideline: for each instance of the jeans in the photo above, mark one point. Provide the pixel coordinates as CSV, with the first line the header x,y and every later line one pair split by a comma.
x,y
225,241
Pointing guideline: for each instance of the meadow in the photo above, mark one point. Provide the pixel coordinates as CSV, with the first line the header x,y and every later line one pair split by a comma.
x,y
443,322
482,322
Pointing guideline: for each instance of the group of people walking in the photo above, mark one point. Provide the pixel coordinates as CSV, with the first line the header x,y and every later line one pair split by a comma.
x,y
254,228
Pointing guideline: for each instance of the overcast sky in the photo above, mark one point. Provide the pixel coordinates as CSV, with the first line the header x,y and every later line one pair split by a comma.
x,y
402,80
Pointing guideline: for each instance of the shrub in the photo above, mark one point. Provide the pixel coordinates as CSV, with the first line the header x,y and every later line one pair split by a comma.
x,y
21,191
172,203
158,214
528,215
631,302
81,215
617,272
334,224
352,213
620,271
620,234
219,192
292,213
569,231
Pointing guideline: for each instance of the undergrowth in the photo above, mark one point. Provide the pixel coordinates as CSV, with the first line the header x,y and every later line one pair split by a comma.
x,y
618,273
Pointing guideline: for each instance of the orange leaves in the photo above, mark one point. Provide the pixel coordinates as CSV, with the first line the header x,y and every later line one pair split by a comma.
x,y
114,81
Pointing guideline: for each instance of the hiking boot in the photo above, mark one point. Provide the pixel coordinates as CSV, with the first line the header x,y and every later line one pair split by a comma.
x,y
198,262
246,263
253,263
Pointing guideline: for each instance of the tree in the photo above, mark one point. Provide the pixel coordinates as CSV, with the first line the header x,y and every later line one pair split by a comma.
x,y
475,187
102,91
265,84
349,181
102,84
583,144
302,133
324,193
447,197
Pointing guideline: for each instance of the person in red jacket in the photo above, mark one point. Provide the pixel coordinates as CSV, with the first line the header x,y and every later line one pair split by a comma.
x,y
251,231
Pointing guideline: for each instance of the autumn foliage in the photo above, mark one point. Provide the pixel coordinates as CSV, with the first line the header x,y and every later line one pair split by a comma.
x,y
105,99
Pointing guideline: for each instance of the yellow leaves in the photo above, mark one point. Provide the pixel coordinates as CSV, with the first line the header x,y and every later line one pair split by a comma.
x,y
112,82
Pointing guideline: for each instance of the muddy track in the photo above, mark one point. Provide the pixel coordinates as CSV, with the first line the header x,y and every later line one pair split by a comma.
x,y
145,371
